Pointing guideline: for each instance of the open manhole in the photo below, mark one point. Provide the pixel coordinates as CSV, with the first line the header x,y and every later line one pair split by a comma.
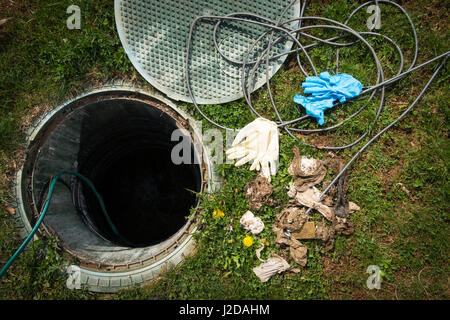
x,y
121,140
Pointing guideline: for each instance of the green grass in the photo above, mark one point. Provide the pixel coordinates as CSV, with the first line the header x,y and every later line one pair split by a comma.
x,y
405,233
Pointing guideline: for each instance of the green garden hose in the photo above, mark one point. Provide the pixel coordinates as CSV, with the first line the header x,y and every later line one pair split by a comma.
x,y
44,211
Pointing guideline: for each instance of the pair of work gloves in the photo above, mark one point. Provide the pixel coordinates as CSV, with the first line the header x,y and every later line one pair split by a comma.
x,y
325,90
257,142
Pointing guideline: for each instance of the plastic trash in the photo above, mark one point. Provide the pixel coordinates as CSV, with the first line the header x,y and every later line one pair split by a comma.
x,y
325,90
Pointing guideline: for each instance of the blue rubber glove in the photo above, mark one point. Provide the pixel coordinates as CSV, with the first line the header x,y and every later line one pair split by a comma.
x,y
326,89
315,107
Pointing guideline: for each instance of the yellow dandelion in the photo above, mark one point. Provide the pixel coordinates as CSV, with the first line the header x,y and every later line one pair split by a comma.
x,y
218,213
248,241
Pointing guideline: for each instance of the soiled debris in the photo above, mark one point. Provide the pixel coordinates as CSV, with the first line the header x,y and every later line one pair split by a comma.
x,y
250,222
289,220
332,191
340,226
311,198
322,231
258,192
283,237
307,172
292,223
308,232
275,264
311,230
295,270
258,252
341,208
343,226
352,207
298,252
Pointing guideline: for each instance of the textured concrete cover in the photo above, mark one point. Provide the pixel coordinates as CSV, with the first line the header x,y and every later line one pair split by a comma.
x,y
154,35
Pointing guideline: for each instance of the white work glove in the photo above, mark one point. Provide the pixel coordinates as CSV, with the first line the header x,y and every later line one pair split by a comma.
x,y
257,141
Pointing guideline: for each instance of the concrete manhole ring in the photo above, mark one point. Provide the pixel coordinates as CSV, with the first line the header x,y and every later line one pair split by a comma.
x,y
120,138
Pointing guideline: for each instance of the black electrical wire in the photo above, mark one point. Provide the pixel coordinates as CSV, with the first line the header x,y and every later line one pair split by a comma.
x,y
295,35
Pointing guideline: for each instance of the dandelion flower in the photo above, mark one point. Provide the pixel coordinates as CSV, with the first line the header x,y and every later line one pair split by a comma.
x,y
218,213
248,241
